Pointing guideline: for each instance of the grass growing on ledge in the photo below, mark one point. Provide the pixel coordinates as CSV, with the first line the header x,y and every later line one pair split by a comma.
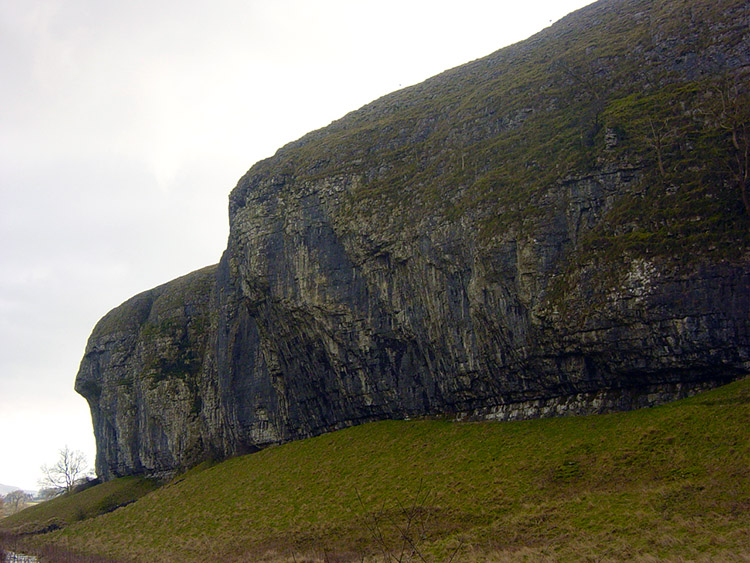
x,y
668,483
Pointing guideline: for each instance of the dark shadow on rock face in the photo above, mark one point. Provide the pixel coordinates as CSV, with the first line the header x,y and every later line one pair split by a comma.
x,y
550,230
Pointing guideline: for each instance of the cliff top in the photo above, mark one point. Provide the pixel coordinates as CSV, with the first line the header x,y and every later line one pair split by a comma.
x,y
179,294
638,85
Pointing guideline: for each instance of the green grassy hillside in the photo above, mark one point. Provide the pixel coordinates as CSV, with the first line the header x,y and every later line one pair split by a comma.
x,y
64,510
669,484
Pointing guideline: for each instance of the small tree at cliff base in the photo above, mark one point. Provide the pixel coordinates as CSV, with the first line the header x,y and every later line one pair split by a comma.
x,y
69,468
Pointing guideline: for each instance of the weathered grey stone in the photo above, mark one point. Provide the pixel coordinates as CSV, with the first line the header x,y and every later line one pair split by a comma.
x,y
342,299
141,376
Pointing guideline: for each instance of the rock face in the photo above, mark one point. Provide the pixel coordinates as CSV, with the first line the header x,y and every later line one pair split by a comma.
x,y
555,229
140,376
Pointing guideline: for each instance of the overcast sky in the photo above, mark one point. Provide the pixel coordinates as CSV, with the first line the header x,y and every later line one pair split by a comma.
x,y
125,124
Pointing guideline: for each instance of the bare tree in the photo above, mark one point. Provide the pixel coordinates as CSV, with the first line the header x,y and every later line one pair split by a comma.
x,y
48,493
658,136
71,466
401,535
16,500
734,118
729,110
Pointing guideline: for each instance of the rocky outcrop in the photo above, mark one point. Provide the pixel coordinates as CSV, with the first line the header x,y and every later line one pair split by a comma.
x,y
140,375
554,229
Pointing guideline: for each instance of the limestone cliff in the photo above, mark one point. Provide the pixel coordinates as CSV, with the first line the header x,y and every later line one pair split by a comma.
x,y
140,376
556,228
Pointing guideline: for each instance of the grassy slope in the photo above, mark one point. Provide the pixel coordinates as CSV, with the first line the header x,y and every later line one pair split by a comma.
x,y
670,483
67,509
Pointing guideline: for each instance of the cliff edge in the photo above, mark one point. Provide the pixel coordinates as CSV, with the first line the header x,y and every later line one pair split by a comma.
x,y
561,227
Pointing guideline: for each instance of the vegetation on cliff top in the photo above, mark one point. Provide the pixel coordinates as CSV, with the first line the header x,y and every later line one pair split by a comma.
x,y
631,85
668,483
189,292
